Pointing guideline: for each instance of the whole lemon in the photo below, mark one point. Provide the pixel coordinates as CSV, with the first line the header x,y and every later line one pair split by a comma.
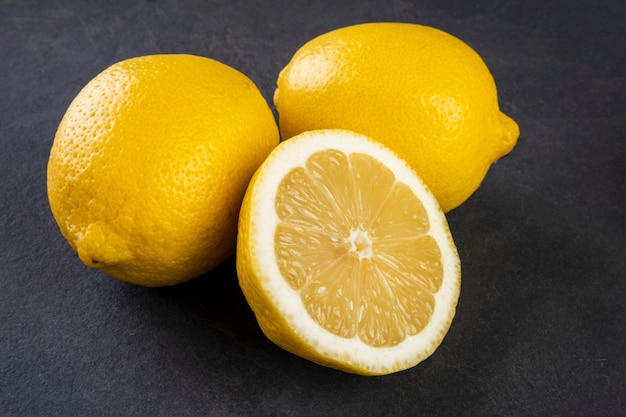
x,y
422,92
150,163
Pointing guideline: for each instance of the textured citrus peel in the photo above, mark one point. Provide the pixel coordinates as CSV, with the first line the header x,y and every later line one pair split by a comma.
x,y
150,163
422,92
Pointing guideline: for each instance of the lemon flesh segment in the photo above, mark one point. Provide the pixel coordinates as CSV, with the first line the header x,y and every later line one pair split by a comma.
x,y
362,274
352,261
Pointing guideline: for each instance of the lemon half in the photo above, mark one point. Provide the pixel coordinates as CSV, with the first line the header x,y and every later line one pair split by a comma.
x,y
345,256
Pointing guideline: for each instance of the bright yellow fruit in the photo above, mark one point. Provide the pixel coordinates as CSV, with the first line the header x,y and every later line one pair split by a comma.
x,y
150,164
345,256
422,92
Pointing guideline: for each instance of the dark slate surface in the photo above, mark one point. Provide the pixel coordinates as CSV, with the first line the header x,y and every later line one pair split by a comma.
x,y
540,327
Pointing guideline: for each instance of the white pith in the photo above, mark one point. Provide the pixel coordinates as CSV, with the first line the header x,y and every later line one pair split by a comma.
x,y
360,243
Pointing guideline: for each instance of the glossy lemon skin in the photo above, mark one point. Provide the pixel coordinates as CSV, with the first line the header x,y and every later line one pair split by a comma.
x,y
150,163
420,91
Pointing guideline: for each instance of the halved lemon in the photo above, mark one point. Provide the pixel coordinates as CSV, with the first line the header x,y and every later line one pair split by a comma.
x,y
345,256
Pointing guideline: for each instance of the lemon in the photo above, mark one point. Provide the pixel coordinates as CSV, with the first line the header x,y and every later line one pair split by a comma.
x,y
150,163
420,91
344,255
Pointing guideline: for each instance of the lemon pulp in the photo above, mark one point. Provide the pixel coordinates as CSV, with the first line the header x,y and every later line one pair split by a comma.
x,y
354,242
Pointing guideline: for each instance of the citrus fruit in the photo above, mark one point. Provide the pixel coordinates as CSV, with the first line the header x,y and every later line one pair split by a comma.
x,y
420,91
344,255
150,163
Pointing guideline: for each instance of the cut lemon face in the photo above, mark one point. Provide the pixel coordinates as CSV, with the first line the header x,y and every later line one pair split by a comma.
x,y
344,255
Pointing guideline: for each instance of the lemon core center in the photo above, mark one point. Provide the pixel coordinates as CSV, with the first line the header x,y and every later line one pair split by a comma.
x,y
360,243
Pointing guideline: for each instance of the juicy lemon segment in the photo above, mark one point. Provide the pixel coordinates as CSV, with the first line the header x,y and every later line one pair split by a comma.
x,y
348,260
345,256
